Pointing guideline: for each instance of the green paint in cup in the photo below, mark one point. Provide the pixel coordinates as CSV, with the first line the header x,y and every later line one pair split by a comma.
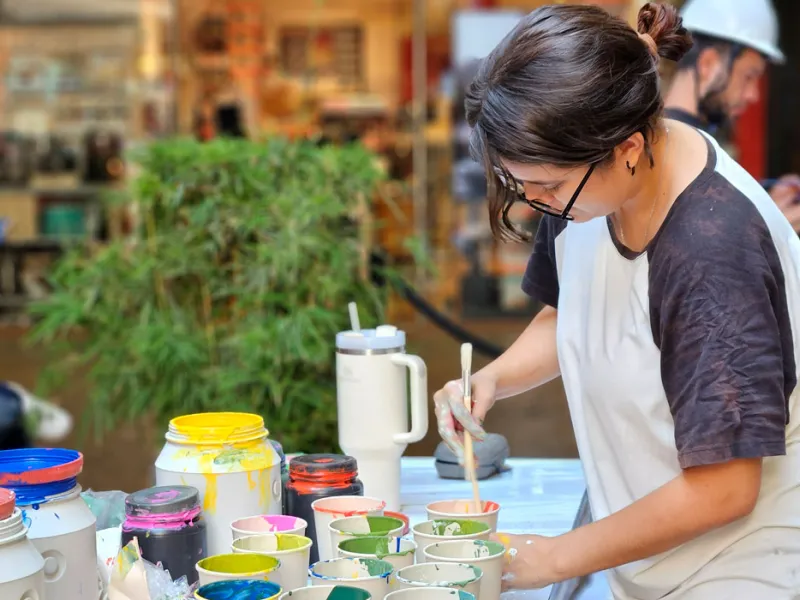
x,y
374,546
239,564
453,527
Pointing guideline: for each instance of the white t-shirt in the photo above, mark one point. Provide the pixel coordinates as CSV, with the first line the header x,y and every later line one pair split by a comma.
x,y
686,355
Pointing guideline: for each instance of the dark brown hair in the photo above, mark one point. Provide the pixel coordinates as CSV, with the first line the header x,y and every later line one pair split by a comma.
x,y
565,87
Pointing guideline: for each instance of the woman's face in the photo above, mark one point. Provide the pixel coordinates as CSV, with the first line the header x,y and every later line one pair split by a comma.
x,y
608,187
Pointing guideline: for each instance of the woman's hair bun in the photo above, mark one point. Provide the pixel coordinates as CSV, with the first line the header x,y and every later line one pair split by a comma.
x,y
663,23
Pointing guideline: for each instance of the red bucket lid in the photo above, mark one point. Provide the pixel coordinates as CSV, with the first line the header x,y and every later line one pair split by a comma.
x,y
7,502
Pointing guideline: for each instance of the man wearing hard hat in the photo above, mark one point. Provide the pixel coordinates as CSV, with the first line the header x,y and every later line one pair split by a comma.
x,y
734,40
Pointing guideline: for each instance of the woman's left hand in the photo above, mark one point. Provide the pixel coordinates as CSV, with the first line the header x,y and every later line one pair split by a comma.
x,y
528,562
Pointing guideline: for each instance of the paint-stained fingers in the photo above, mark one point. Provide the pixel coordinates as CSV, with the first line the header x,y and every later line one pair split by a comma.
x,y
447,423
465,418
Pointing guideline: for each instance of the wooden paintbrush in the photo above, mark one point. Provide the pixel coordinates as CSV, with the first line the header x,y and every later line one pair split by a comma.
x,y
469,456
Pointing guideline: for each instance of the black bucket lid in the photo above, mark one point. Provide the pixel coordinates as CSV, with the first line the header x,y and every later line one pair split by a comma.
x,y
166,499
314,464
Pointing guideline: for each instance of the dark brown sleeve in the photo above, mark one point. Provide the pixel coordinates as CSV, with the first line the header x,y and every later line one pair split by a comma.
x,y
541,275
719,314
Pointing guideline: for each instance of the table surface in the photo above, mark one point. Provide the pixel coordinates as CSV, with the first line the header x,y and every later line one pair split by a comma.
x,y
538,496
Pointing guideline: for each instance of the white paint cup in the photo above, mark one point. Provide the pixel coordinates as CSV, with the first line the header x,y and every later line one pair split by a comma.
x,y
429,593
323,592
465,509
359,526
439,530
369,574
292,550
223,567
397,551
445,574
258,524
488,556
336,507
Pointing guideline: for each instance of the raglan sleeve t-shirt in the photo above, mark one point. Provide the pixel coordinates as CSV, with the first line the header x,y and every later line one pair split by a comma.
x,y
681,356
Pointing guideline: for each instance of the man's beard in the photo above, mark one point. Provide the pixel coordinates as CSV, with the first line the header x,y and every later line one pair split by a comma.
x,y
712,109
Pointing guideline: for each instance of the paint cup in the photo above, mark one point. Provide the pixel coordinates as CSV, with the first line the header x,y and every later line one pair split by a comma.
x,y
369,574
445,574
268,524
331,508
292,550
465,509
241,589
327,592
223,567
488,556
430,532
397,551
429,593
351,527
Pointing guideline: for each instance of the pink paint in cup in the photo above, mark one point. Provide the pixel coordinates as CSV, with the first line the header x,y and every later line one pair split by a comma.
x,y
465,509
261,524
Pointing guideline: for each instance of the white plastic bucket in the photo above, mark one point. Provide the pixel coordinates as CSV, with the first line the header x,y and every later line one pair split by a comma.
x,y
60,524
230,461
331,508
444,574
292,550
369,574
465,509
488,556
21,565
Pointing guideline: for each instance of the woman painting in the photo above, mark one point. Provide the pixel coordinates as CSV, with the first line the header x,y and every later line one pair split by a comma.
x,y
672,288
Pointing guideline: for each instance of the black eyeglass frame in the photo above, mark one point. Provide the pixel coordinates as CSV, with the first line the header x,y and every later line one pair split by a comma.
x,y
542,207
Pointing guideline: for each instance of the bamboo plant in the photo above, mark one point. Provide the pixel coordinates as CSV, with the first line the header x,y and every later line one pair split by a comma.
x,y
230,293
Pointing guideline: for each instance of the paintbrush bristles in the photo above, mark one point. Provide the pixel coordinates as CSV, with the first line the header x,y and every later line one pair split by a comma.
x,y
466,358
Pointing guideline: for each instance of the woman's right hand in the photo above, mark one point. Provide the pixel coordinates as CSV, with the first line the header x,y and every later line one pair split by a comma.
x,y
454,418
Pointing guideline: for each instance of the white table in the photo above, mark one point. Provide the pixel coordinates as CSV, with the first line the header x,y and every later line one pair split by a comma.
x,y
536,496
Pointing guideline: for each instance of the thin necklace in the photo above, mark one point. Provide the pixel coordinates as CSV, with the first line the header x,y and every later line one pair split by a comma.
x,y
655,203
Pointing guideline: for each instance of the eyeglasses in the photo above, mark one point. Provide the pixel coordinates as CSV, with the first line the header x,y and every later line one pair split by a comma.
x,y
518,188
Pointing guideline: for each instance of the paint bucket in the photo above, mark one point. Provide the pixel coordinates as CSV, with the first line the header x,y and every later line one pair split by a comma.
x,y
21,565
239,590
292,550
439,530
268,524
488,556
397,551
348,528
369,574
445,574
224,567
60,524
327,510
327,592
168,523
429,593
465,509
316,476
230,461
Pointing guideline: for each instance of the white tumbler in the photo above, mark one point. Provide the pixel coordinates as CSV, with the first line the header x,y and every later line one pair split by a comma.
x,y
373,378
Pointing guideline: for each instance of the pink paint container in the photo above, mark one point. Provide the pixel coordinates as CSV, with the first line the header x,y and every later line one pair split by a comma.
x,y
261,524
168,523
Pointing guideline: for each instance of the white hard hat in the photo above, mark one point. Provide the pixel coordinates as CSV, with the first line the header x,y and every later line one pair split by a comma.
x,y
751,23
